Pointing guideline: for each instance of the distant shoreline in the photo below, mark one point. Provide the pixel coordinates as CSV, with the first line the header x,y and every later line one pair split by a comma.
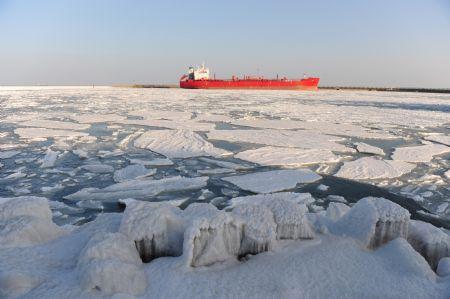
x,y
394,89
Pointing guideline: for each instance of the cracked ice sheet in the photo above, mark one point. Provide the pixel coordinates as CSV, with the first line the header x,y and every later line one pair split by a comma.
x,y
373,168
328,128
273,181
285,156
282,138
421,153
139,189
178,144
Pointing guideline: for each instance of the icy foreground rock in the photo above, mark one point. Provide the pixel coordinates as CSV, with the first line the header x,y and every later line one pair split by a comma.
x,y
177,144
373,168
110,264
139,189
156,228
26,221
374,221
431,242
273,181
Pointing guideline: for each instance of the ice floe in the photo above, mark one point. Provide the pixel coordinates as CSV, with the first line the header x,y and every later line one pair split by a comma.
x,y
273,181
139,188
8,154
289,157
421,153
32,133
132,172
53,124
373,168
369,149
444,139
177,144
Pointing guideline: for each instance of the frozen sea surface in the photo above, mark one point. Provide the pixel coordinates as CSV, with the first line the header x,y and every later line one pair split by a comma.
x,y
55,142
251,194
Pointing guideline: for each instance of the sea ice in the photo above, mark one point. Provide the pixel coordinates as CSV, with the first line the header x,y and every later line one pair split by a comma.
x,y
443,268
139,189
50,159
153,162
259,232
53,124
32,133
212,237
156,228
336,210
420,153
273,181
282,138
289,157
8,154
97,168
132,172
369,149
431,242
373,168
110,264
87,118
444,139
374,221
177,144
300,198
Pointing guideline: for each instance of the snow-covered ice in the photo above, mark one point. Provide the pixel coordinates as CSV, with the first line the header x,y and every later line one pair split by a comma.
x,y
373,168
421,153
369,149
177,144
273,181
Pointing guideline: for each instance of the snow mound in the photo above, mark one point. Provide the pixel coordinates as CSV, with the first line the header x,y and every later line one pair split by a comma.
x,y
431,242
273,181
212,238
132,172
421,153
177,144
289,157
336,210
139,189
110,263
369,149
156,228
259,232
373,168
443,268
374,221
26,221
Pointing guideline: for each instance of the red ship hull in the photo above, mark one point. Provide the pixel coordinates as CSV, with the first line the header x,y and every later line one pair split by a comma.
x,y
283,84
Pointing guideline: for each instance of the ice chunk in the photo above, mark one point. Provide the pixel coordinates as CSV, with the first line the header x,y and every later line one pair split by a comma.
x,y
110,263
132,172
81,153
374,221
369,149
444,139
336,198
259,233
443,268
336,210
421,153
8,154
26,220
225,164
273,181
177,144
96,118
154,162
431,242
156,228
139,189
323,187
300,198
285,156
97,168
373,168
49,159
300,139
211,238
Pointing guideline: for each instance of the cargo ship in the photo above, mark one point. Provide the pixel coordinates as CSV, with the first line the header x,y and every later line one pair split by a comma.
x,y
199,79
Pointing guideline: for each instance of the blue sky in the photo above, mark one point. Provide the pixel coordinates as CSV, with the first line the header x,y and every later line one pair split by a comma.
x,y
347,42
